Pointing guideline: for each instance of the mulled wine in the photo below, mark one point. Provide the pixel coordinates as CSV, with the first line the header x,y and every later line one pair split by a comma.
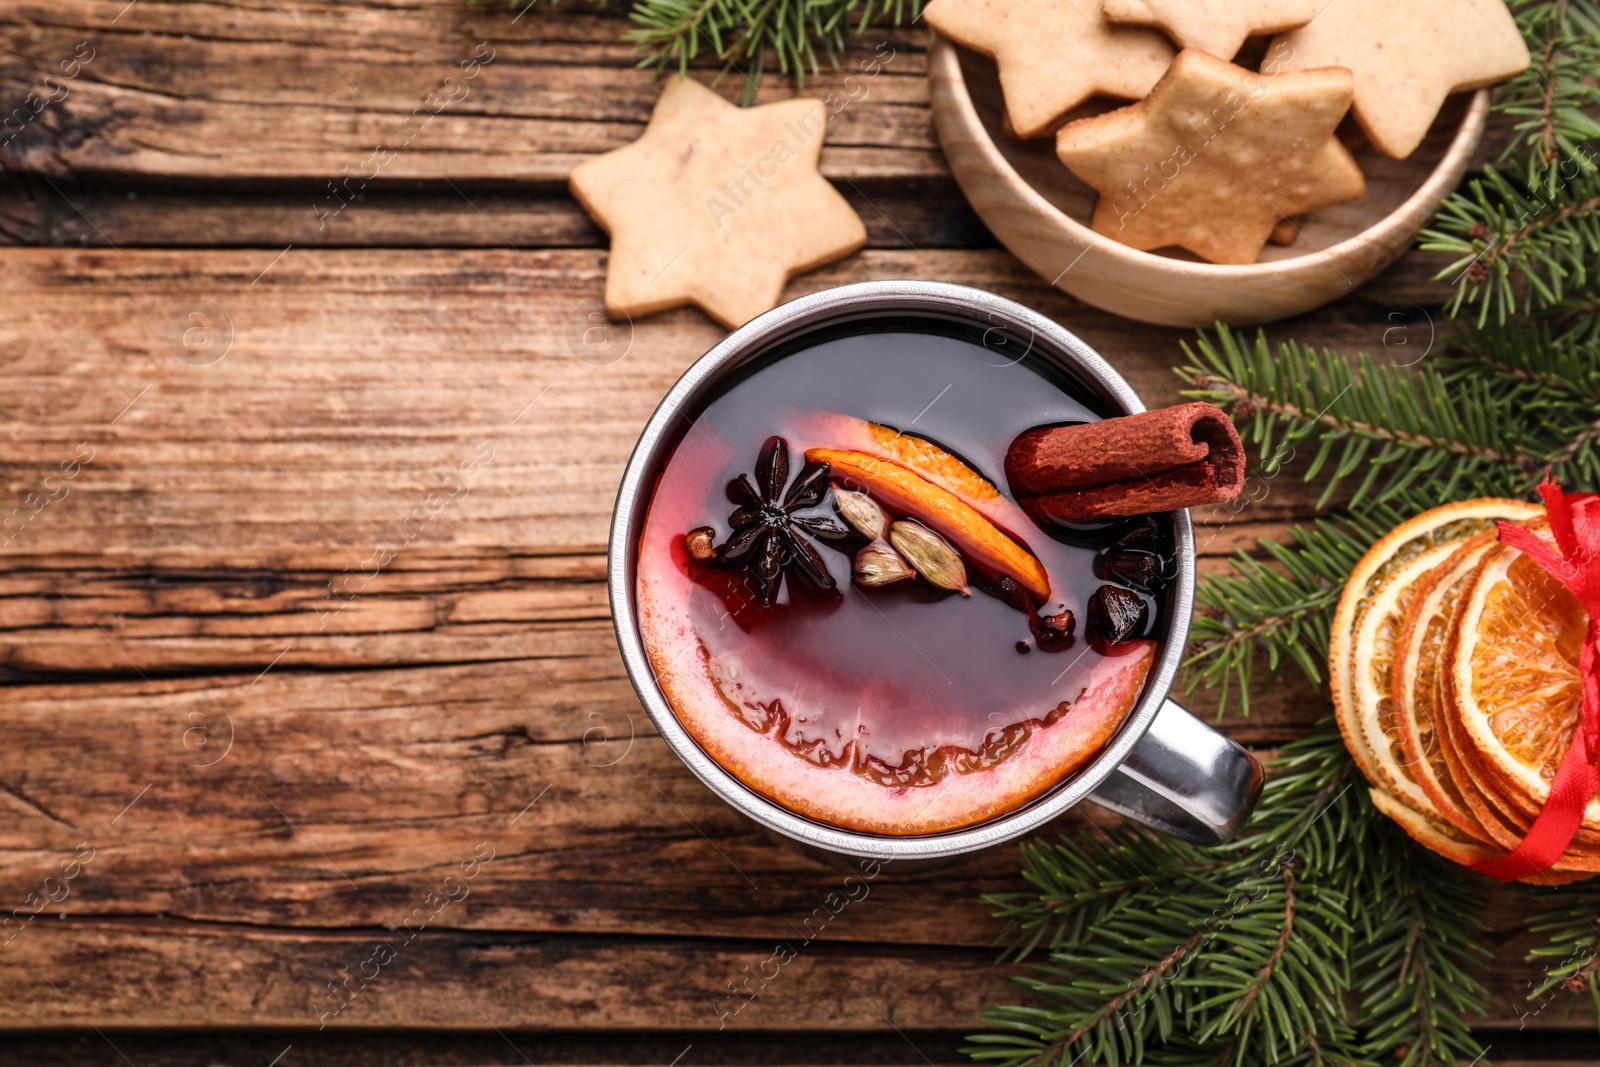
x,y
849,611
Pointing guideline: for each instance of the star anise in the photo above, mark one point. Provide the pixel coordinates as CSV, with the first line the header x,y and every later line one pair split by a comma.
x,y
768,536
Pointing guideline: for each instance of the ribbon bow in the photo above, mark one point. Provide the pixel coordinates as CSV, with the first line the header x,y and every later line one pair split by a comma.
x,y
1575,521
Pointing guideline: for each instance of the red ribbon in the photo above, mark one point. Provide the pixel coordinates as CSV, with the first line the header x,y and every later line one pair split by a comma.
x,y
1575,521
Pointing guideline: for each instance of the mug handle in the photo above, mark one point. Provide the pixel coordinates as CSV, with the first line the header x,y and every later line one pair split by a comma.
x,y
1185,779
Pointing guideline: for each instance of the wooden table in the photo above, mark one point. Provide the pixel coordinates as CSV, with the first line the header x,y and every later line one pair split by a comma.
x,y
226,381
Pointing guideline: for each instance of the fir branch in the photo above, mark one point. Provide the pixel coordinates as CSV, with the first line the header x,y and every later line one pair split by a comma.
x,y
1279,994
1571,921
1258,981
744,36
1523,233
1562,362
1284,610
1233,955
1578,444
1077,884
1361,947
1403,425
1554,96
1524,241
1418,977
1502,404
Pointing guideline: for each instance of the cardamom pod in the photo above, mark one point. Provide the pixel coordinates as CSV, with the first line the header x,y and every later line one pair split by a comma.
x,y
931,555
862,512
878,564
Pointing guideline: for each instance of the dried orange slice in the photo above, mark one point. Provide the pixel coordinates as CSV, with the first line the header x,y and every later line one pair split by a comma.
x,y
1481,794
1430,833
1414,682
1503,811
1376,643
1512,668
1447,525
1504,818
905,492
1426,832
1454,782
1371,640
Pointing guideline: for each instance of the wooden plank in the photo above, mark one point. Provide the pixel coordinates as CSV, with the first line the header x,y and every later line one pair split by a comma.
x,y
898,214
351,1048
353,385
217,509
325,794
312,799
89,623
243,90
85,620
131,973
222,498
258,90
921,213
276,821
121,972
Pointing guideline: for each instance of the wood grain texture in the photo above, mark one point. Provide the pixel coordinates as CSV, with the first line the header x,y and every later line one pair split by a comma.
x,y
77,622
265,830
351,385
327,800
228,976
195,550
200,540
898,213
351,1048
178,89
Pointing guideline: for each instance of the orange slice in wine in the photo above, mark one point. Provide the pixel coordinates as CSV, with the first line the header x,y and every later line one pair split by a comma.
x,y
1055,748
905,492
943,469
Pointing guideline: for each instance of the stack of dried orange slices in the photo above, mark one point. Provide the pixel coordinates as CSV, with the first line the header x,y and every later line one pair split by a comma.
x,y
1454,668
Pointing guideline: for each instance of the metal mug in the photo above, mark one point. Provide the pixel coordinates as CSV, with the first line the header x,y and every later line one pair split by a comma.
x,y
1164,767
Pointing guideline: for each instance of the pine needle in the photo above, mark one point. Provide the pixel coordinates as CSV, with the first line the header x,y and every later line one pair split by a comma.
x,y
1526,233
1149,950
751,37
1487,416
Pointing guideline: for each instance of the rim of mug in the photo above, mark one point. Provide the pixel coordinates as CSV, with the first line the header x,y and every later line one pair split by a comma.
x,y
786,323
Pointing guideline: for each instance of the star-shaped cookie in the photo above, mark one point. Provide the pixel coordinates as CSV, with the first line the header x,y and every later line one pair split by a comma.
x,y
1054,54
1216,26
1215,156
716,205
1407,56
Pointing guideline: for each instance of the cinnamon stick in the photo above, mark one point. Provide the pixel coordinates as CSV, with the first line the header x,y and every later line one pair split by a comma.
x,y
1179,457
